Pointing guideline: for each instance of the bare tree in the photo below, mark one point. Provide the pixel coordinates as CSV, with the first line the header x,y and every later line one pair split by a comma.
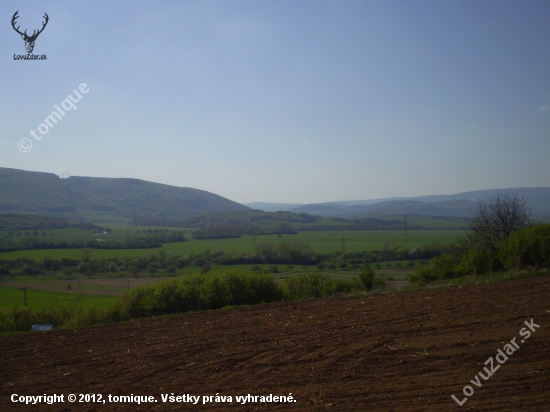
x,y
496,219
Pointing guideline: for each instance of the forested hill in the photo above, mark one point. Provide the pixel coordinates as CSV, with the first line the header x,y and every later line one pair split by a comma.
x,y
459,205
78,197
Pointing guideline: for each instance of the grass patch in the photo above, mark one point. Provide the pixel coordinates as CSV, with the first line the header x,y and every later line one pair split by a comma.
x,y
491,277
318,241
12,297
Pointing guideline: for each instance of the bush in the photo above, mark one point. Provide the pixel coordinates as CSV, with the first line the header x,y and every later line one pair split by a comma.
x,y
367,278
199,292
308,285
19,319
378,283
479,262
527,247
440,267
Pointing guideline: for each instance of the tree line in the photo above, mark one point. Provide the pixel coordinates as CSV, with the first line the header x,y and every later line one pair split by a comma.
x,y
144,241
502,236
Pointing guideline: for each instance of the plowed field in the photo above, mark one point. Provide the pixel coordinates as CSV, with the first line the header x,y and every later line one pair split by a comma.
x,y
397,352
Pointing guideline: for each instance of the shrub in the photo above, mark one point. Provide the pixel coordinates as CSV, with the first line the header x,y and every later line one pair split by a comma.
x,y
527,247
479,261
22,318
308,285
199,292
440,267
367,278
378,283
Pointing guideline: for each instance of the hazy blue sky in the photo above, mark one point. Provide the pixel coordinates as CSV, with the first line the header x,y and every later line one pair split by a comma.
x,y
284,101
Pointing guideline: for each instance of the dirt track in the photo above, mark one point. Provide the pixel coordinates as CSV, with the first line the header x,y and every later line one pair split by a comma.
x,y
398,352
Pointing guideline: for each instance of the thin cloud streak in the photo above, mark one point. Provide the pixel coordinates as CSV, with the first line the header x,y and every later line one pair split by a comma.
x,y
145,38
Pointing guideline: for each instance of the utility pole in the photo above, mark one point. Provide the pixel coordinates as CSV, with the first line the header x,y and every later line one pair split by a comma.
x,y
405,221
254,236
343,245
25,294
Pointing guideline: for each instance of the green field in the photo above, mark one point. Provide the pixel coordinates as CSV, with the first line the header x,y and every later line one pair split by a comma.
x,y
318,241
101,291
432,222
10,297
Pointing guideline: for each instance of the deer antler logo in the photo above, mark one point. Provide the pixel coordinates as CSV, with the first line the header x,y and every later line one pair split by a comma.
x,y
29,40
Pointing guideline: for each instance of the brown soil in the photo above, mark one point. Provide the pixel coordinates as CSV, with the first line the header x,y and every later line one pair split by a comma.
x,y
396,352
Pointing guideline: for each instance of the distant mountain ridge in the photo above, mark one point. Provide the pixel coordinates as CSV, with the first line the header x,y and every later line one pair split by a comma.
x,y
75,197
459,205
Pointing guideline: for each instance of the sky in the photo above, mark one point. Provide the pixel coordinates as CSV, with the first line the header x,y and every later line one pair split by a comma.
x,y
282,101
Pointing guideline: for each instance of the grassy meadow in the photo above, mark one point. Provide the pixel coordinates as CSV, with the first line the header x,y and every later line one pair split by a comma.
x,y
61,291
36,299
318,241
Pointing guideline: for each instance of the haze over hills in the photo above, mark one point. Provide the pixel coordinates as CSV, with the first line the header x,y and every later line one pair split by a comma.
x,y
97,199
460,204
81,197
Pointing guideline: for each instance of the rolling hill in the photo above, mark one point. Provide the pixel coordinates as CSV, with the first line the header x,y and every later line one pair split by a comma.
x,y
455,208
79,198
457,205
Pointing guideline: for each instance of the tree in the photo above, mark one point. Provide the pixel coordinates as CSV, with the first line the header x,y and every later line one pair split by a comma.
x,y
29,270
283,249
4,270
82,267
152,269
496,219
46,262
85,255
134,270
